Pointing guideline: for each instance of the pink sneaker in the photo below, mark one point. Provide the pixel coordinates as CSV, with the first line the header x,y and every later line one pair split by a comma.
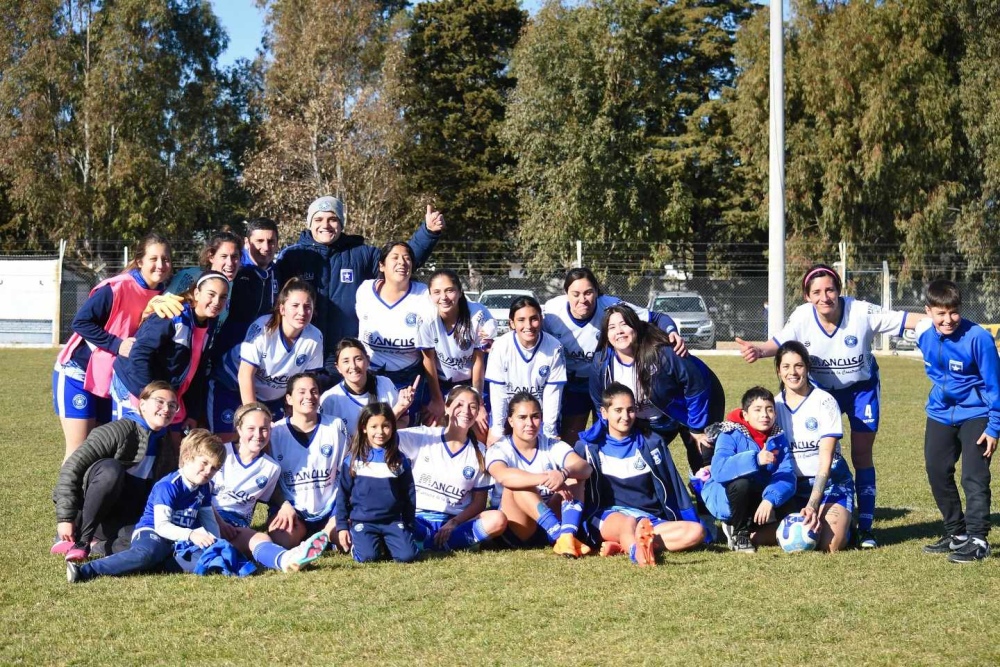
x,y
61,547
77,554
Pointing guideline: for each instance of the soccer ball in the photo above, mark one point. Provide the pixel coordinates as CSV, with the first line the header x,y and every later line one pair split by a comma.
x,y
793,536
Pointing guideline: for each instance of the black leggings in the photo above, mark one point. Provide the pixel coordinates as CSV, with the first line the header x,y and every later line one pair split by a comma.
x,y
943,445
112,500
745,495
698,459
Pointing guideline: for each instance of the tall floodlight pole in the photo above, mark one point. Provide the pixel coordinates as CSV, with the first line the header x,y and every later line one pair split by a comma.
x,y
776,177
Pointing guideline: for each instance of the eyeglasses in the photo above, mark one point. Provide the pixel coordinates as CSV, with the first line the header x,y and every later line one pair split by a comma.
x,y
172,406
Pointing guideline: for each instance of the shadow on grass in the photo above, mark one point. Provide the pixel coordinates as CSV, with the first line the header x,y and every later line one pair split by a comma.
x,y
911,531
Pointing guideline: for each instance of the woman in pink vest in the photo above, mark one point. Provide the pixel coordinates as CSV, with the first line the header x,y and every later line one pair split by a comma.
x,y
102,330
172,350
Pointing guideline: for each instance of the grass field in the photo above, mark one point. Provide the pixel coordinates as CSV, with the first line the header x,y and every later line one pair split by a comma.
x,y
888,607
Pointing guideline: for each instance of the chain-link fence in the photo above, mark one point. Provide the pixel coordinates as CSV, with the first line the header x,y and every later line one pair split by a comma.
x,y
733,294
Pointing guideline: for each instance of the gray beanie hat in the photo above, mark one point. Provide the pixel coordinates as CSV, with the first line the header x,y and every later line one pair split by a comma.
x,y
328,203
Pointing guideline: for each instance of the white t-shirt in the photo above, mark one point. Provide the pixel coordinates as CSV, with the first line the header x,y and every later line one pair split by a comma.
x,y
239,486
338,401
843,358
550,455
817,417
309,474
274,359
389,331
625,374
579,337
445,481
454,360
541,372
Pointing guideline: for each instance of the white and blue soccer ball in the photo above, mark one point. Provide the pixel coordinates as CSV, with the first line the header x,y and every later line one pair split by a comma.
x,y
793,535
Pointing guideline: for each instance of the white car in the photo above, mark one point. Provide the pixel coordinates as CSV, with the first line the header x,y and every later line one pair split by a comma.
x,y
498,301
690,313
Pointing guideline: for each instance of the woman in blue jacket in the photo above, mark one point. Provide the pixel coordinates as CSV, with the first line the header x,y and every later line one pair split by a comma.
x,y
674,394
635,499
753,475
336,264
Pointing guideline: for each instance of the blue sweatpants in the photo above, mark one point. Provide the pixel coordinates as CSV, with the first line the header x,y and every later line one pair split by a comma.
x,y
148,551
369,539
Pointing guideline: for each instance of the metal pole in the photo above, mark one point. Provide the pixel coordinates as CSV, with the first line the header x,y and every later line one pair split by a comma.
x,y
776,180
579,254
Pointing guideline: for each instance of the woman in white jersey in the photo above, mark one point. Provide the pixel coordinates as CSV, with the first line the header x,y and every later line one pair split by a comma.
x,y
540,505
525,359
574,319
390,311
454,344
810,418
249,476
449,469
839,331
276,347
361,387
309,447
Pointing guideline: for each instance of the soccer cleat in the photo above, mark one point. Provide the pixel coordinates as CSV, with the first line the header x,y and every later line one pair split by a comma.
x,y
609,548
644,543
974,550
307,552
567,545
946,544
61,547
742,544
72,572
728,531
866,540
78,553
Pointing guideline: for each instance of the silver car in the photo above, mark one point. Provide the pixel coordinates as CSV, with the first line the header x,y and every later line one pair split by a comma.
x,y
498,301
690,313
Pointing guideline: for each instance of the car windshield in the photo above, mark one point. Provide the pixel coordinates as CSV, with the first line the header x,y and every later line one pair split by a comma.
x,y
678,304
501,300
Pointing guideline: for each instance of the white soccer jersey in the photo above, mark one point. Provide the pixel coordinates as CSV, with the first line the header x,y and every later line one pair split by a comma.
x,y
338,401
625,374
239,486
579,337
454,360
843,358
816,418
273,358
309,474
445,481
540,372
550,455
389,331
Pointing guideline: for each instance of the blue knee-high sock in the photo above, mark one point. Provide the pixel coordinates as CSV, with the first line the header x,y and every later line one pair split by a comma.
x,y
865,479
468,534
548,521
269,555
572,512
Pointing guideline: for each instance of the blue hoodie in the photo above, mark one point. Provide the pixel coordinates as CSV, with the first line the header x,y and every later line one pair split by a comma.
x,y
965,371
336,271
675,503
736,456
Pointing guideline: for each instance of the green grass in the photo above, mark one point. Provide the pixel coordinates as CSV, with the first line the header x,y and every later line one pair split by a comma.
x,y
893,606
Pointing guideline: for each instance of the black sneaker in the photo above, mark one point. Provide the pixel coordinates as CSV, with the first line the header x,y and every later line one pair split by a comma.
x,y
742,544
72,572
727,530
975,549
866,540
946,544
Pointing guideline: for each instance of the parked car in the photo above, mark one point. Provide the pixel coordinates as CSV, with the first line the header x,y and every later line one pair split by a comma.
x,y
498,301
691,315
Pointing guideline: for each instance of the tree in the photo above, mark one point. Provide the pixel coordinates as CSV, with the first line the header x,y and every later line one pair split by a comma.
x,y
110,120
455,81
617,126
328,126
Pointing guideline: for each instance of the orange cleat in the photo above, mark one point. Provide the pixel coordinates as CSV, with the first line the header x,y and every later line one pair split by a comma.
x,y
644,543
567,545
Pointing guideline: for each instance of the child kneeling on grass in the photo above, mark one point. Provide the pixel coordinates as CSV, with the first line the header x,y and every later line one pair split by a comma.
x,y
179,508
963,420
753,476
376,503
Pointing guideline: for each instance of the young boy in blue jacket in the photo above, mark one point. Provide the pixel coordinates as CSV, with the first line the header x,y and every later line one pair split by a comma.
x,y
963,419
753,476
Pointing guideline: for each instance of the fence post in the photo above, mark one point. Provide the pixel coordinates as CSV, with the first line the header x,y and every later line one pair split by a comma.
x,y
579,254
57,310
886,299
